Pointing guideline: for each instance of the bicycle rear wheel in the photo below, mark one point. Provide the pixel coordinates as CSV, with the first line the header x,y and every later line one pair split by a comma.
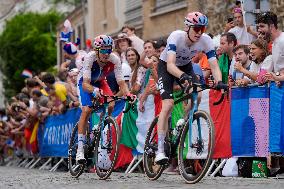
x,y
195,156
107,148
151,169
75,169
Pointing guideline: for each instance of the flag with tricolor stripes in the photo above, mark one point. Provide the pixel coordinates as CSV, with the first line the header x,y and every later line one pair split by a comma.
x,y
27,73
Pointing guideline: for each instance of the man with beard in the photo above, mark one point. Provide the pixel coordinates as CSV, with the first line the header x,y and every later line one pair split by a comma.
x,y
242,63
228,41
268,29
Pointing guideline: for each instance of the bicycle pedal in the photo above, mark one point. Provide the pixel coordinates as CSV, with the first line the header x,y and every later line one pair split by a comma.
x,y
82,161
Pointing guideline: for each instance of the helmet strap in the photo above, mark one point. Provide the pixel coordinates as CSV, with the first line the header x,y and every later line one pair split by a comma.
x,y
101,64
98,53
188,35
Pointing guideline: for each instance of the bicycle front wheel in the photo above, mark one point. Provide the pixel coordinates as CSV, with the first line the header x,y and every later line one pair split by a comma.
x,y
196,147
107,148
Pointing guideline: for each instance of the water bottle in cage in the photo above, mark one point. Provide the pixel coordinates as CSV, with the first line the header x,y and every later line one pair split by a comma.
x,y
93,131
178,127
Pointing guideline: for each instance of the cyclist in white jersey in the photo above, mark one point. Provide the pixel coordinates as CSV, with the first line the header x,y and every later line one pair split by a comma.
x,y
91,80
175,64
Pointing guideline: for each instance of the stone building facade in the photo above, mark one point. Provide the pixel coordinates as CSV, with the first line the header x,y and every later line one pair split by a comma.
x,y
154,19
277,6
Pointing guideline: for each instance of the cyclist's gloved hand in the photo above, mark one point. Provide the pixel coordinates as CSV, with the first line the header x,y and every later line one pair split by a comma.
x,y
96,92
131,96
184,78
220,85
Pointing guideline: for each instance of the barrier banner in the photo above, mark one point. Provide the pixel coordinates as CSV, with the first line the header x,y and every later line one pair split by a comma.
x,y
54,136
250,121
276,130
221,117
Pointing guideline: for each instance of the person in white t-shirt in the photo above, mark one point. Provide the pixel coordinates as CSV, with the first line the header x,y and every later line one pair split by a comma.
x,y
245,35
137,43
267,26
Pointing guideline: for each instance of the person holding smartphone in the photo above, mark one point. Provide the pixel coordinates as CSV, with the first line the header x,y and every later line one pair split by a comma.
x,y
245,35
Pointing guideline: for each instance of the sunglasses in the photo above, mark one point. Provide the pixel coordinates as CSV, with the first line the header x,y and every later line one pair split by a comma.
x,y
105,51
197,29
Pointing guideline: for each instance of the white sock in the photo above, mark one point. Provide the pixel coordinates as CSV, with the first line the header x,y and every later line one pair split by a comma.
x,y
81,141
161,141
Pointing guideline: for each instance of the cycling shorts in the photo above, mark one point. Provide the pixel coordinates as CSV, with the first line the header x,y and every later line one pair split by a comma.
x,y
85,98
166,80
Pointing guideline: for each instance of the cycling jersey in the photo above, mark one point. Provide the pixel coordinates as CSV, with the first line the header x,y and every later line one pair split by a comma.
x,y
177,44
91,70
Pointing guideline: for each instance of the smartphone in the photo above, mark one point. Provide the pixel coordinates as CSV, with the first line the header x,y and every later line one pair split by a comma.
x,y
230,19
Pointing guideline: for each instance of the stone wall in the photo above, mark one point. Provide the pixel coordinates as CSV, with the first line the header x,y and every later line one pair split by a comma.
x,y
277,6
162,24
217,11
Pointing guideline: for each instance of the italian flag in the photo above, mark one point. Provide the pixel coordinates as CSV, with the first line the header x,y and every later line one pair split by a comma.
x,y
135,125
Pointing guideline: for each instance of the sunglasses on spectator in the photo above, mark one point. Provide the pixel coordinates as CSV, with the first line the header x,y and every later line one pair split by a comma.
x,y
105,51
197,29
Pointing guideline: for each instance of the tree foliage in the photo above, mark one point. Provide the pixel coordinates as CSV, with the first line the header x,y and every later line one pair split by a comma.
x,y
27,42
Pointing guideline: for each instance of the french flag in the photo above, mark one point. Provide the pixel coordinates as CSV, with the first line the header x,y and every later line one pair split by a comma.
x,y
27,73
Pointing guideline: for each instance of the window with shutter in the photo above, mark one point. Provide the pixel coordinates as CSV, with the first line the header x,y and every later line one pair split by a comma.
x,y
133,11
164,5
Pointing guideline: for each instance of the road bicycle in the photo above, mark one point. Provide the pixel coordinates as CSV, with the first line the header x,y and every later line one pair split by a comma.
x,y
194,140
102,140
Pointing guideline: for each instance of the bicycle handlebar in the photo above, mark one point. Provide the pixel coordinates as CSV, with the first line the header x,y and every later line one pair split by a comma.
x,y
114,98
203,87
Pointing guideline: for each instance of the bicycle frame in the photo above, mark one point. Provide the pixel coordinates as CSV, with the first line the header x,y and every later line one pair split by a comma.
x,y
104,116
101,125
191,113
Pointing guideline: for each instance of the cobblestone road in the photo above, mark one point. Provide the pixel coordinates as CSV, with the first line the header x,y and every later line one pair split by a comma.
x,y
20,178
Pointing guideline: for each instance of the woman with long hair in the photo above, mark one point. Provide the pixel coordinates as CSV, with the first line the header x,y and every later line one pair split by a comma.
x,y
137,75
262,63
